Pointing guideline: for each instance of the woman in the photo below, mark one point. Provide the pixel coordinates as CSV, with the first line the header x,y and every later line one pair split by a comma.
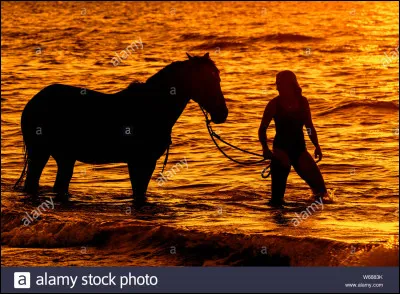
x,y
290,111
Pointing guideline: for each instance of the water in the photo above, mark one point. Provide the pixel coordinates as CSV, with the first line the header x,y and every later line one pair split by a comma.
x,y
212,212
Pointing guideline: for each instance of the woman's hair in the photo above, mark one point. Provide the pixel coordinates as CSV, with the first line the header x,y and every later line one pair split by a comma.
x,y
288,79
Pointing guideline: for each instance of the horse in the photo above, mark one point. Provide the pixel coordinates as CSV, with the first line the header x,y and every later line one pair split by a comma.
x,y
132,126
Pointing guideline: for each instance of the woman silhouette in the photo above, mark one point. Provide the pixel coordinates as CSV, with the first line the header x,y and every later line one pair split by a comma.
x,y
290,111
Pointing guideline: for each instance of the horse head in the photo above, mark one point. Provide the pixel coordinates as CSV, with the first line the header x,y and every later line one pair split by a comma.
x,y
205,88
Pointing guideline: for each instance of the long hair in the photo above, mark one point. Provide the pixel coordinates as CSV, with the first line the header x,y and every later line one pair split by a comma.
x,y
287,79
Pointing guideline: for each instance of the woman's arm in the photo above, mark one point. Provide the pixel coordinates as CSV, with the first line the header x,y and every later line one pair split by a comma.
x,y
311,131
269,113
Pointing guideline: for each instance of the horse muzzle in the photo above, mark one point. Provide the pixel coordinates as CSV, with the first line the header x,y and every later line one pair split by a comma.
x,y
220,116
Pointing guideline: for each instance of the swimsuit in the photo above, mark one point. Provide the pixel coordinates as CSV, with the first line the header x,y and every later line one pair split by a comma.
x,y
290,139
289,131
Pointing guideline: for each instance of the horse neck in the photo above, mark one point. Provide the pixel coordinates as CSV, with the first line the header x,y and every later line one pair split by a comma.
x,y
172,93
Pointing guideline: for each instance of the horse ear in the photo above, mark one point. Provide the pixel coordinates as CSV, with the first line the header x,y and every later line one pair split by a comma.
x,y
207,55
189,56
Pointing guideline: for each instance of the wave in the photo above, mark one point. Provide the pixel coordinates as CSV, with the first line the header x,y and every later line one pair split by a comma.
x,y
17,34
315,49
380,105
285,38
285,49
340,49
213,41
195,248
197,37
218,44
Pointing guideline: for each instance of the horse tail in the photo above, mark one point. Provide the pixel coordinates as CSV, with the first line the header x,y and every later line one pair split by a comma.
x,y
24,170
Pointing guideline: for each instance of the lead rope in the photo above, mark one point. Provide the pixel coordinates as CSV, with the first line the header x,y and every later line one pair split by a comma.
x,y
166,159
213,135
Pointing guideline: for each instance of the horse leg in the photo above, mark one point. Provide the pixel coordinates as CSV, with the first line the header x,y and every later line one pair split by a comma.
x,y
65,170
37,159
140,175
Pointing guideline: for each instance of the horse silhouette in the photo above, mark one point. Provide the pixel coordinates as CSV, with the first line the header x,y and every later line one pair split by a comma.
x,y
132,126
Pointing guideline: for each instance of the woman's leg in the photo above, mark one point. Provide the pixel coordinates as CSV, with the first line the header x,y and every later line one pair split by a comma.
x,y
308,170
280,168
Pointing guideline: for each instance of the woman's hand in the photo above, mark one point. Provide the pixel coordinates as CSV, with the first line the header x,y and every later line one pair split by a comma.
x,y
267,154
318,153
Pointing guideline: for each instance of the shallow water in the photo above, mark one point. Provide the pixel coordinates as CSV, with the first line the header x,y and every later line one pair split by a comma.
x,y
212,212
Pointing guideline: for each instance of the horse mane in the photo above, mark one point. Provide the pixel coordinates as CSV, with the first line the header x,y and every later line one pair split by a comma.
x,y
135,85
169,69
166,71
